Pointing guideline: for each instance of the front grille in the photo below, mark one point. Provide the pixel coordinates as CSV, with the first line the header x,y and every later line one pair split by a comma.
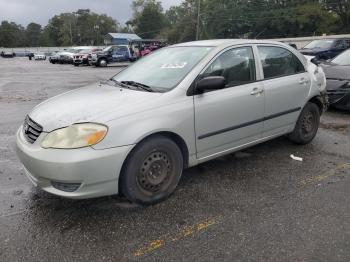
x,y
31,130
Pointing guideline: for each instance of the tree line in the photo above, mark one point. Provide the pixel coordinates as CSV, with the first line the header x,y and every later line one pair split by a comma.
x,y
190,20
206,19
82,27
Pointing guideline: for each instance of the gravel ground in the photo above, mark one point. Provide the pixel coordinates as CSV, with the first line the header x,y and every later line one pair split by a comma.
x,y
254,205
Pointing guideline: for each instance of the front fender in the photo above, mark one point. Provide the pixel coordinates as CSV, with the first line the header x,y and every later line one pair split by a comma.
x,y
176,118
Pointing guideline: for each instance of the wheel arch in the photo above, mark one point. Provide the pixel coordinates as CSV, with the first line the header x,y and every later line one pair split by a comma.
x,y
317,100
102,57
180,142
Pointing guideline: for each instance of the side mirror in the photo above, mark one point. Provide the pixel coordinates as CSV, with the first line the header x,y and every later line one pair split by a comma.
x,y
210,83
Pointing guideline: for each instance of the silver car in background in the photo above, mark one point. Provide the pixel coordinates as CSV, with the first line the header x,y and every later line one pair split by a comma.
x,y
176,108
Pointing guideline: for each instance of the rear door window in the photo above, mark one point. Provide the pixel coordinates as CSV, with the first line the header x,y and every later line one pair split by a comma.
x,y
278,62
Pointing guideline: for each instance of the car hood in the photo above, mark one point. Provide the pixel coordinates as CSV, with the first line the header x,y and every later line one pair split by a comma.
x,y
333,71
89,104
65,54
312,51
100,53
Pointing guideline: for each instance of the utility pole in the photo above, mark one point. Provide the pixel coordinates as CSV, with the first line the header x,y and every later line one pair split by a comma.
x,y
198,19
97,27
70,32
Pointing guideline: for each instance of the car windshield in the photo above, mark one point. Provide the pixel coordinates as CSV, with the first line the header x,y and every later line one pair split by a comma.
x,y
71,50
320,44
342,59
164,69
107,48
85,51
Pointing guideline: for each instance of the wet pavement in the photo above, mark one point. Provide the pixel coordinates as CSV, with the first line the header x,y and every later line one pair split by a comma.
x,y
255,205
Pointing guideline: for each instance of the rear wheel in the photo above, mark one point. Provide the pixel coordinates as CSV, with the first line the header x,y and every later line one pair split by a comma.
x,y
307,125
151,171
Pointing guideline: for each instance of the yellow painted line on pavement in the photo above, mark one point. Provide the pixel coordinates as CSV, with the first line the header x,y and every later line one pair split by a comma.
x,y
330,173
176,236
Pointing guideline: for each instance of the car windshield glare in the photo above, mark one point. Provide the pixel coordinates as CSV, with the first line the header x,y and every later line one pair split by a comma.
x,y
71,50
164,69
85,51
342,59
106,49
320,44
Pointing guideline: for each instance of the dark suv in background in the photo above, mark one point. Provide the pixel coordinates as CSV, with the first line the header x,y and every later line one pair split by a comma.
x,y
112,54
326,48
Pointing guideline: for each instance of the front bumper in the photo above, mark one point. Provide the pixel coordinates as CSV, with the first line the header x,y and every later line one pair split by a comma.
x,y
83,61
93,61
339,99
339,93
96,171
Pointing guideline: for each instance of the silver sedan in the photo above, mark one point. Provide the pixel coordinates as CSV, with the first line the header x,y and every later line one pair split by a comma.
x,y
176,108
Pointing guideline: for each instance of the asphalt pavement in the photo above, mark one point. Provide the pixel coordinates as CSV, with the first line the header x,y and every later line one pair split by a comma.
x,y
254,205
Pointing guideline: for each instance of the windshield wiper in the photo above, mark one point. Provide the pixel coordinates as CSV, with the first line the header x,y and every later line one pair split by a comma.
x,y
117,83
138,85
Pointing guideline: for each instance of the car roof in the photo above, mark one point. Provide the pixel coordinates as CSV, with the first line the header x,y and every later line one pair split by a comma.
x,y
227,42
119,45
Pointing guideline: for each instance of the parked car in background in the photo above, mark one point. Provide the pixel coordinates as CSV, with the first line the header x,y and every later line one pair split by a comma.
x,y
112,54
39,56
66,56
24,53
82,58
337,73
326,48
175,108
7,54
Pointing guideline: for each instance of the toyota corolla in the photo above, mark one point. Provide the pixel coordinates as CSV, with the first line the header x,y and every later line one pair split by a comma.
x,y
176,108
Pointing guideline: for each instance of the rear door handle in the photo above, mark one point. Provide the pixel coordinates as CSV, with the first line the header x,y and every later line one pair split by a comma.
x,y
256,91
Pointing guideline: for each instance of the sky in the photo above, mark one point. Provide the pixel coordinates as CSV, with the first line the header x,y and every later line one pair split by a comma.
x,y
40,11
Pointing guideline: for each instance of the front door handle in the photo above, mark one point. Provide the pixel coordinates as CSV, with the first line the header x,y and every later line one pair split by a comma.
x,y
256,91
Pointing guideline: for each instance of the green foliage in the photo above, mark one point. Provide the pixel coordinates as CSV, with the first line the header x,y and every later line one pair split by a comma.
x,y
217,19
148,18
342,9
78,28
252,19
11,34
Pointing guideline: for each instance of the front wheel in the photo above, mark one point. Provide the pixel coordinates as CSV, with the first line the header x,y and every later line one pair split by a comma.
x,y
307,125
102,63
151,171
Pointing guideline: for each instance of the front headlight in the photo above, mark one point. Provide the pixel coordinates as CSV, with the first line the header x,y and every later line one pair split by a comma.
x,y
75,136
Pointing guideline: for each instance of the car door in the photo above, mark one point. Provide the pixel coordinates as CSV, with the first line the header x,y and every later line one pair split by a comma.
x,y
119,54
286,85
230,117
115,55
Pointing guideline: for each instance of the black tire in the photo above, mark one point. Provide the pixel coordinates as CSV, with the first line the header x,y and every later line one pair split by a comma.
x,y
76,64
102,62
307,125
152,171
